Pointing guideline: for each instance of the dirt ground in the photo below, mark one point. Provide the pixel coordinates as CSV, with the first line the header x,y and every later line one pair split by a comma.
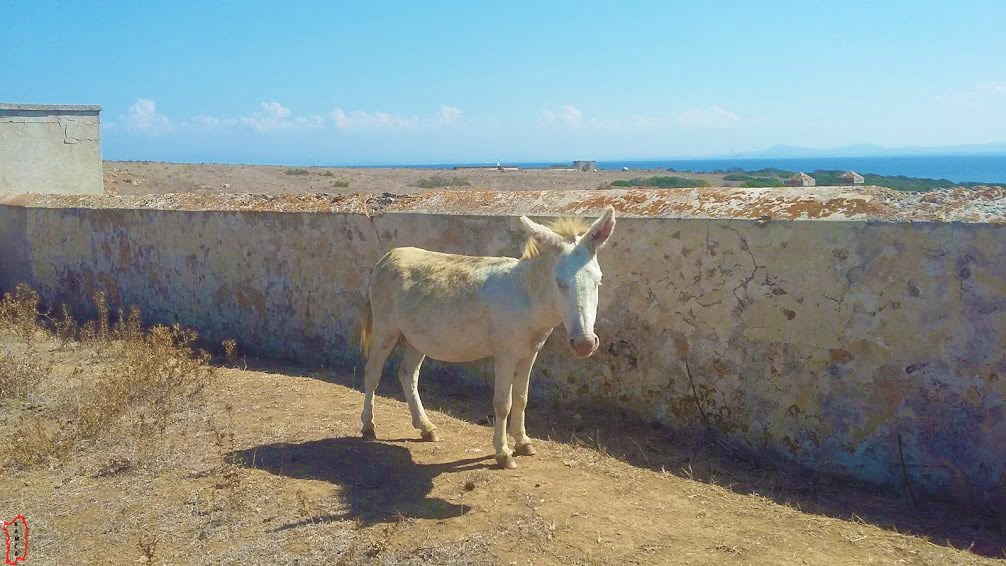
x,y
273,471
147,177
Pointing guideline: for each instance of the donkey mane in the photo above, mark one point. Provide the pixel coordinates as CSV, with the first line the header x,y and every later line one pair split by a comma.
x,y
568,228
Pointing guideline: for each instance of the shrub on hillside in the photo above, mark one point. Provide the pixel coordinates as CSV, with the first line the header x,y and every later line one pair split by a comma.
x,y
437,181
757,182
668,182
896,182
737,177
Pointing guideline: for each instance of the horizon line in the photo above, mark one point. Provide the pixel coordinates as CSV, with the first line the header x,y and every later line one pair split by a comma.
x,y
549,162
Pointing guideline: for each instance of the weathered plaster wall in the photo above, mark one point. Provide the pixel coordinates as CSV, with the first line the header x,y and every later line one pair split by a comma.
x,y
13,248
50,149
822,341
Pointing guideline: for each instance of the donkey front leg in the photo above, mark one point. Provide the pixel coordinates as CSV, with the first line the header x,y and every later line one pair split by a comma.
x,y
501,403
522,444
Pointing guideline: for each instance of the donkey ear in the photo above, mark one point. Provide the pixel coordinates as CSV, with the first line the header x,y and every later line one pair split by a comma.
x,y
543,235
600,230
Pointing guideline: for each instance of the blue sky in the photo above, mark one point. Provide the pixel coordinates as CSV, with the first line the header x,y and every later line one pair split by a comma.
x,y
433,82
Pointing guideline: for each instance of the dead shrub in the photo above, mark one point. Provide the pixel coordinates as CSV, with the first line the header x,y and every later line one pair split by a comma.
x,y
147,543
230,348
154,374
66,328
137,387
36,443
96,332
19,314
20,375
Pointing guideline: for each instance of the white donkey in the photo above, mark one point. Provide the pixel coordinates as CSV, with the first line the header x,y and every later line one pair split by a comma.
x,y
458,308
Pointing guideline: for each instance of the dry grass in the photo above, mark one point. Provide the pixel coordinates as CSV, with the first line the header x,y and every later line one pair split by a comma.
x,y
19,313
147,378
20,375
104,401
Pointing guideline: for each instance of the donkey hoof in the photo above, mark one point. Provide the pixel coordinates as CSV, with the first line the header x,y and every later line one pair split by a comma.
x,y
524,450
369,434
430,436
506,462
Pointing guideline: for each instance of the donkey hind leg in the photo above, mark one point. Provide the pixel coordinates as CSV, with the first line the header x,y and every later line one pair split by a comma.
x,y
408,374
501,403
522,444
383,343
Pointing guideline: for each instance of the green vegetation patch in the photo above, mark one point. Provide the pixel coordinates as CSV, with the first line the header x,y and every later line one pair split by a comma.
x,y
756,182
437,181
737,177
772,177
769,177
296,171
896,182
669,182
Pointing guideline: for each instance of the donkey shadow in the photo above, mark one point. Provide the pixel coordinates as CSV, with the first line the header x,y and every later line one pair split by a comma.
x,y
379,480
697,455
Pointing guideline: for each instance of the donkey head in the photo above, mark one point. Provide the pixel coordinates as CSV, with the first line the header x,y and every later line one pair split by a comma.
x,y
576,276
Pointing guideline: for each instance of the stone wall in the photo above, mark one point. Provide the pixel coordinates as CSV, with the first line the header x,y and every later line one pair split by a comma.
x,y
48,148
840,343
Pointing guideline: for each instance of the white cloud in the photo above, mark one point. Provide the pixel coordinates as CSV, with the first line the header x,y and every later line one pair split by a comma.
x,y
142,117
361,119
448,115
275,110
273,116
567,115
207,122
713,117
312,121
570,115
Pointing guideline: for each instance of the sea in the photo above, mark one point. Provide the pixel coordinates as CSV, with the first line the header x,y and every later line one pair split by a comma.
x,y
957,168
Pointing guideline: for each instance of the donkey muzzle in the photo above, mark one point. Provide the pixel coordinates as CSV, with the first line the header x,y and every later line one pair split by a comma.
x,y
584,346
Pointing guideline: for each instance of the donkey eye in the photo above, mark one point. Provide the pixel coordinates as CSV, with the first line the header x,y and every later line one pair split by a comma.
x,y
562,285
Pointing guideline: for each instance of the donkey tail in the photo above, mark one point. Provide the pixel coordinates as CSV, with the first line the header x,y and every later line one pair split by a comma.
x,y
366,330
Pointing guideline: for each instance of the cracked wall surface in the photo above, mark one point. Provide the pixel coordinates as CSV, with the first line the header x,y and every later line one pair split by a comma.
x,y
848,345
50,149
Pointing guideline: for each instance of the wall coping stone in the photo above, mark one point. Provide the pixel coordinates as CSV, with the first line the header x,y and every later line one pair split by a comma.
x,y
50,107
980,205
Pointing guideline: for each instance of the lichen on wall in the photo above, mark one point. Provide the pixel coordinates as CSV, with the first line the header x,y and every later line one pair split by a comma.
x,y
849,346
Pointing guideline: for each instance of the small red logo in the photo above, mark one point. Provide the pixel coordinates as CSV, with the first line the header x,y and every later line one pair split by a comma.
x,y
16,532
